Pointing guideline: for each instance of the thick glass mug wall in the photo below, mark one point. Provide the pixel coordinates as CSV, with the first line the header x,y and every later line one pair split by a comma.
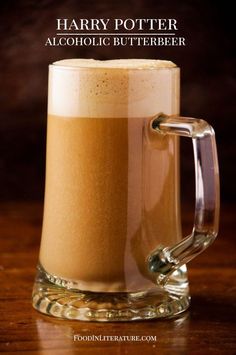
x,y
112,187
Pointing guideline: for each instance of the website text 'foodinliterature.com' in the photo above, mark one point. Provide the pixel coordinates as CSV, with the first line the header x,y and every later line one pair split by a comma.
x,y
115,338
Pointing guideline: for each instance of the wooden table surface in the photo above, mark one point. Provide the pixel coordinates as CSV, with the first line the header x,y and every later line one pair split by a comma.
x,y
207,328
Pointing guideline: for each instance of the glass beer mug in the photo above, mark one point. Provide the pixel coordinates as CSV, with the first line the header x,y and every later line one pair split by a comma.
x,y
112,247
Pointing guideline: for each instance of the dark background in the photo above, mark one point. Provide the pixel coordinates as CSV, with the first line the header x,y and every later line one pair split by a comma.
x,y
208,80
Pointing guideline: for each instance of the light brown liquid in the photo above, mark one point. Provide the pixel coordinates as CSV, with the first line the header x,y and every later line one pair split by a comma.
x,y
112,196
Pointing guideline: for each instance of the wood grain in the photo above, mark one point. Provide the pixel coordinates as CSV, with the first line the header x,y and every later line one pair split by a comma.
x,y
207,328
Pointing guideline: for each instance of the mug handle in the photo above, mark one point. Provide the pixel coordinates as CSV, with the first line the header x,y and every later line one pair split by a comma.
x,y
164,260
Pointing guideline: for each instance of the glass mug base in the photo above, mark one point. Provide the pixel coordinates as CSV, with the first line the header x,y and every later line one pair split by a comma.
x,y
52,296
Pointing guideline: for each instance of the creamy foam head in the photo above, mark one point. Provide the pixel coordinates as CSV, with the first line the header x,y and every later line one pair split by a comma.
x,y
113,88
116,63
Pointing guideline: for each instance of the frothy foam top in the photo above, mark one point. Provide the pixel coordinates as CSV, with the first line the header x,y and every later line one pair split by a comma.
x,y
116,63
113,88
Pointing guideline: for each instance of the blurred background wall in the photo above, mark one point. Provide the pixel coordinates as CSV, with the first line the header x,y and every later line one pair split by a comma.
x,y
207,91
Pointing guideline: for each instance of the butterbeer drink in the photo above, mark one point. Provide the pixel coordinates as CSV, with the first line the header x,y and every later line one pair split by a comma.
x,y
112,186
